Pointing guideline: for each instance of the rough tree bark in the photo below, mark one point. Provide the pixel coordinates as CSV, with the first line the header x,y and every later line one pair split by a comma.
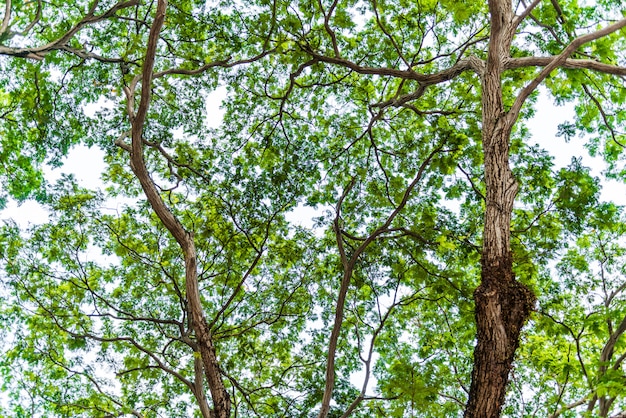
x,y
503,305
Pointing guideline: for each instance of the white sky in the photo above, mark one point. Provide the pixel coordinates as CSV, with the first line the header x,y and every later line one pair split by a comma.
x,y
87,164
544,127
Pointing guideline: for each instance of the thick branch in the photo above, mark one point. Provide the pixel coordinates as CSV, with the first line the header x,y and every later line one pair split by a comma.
x,y
137,161
221,400
40,52
558,61
570,63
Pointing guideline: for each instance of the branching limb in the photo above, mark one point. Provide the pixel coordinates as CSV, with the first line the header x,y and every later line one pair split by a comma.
x,y
559,61
87,335
38,53
329,30
370,353
8,33
389,35
221,398
348,268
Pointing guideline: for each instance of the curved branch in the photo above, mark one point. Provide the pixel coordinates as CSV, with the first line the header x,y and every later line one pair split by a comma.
x,y
221,399
559,61
38,53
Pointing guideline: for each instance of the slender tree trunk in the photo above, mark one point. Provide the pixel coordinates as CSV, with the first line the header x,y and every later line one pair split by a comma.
x,y
219,394
503,305
204,340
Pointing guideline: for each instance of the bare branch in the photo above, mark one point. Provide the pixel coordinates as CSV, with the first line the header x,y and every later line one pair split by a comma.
x,y
199,70
32,24
337,225
239,286
198,386
607,351
348,266
402,100
94,337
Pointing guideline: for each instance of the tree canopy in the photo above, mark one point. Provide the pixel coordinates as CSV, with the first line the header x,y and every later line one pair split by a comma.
x,y
452,270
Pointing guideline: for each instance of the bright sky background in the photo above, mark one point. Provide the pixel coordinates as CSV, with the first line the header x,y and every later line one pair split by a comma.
x,y
544,128
87,164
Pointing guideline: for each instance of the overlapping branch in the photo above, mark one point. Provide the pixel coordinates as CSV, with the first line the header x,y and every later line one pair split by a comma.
x,y
559,61
349,263
61,43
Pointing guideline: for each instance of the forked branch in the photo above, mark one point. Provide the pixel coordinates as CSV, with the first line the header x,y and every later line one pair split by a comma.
x,y
559,61
221,399
61,43
348,268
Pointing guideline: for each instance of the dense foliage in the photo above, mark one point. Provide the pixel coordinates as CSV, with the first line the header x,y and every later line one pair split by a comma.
x,y
182,288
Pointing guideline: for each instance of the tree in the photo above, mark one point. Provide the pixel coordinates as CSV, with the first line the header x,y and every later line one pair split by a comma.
x,y
381,112
33,130
590,333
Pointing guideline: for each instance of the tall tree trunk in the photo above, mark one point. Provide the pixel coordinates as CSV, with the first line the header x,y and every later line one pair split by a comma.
x,y
219,394
204,340
502,304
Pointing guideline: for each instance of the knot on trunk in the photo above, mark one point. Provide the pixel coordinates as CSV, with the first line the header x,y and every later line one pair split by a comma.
x,y
521,301
507,302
